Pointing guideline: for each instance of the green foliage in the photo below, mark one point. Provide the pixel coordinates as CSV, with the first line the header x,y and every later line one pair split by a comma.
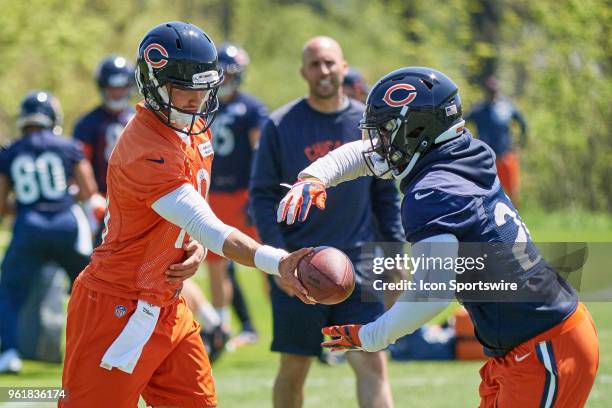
x,y
553,58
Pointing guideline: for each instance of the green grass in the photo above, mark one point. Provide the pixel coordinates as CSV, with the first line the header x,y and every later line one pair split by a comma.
x,y
244,378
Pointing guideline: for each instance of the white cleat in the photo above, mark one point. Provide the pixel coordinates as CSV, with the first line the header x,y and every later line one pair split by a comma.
x,y
10,362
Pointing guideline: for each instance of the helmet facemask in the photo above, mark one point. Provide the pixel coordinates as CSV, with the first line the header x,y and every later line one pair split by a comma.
x,y
116,104
394,149
401,140
159,97
229,86
184,120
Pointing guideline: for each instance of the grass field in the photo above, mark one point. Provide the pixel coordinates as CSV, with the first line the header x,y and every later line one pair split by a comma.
x,y
244,378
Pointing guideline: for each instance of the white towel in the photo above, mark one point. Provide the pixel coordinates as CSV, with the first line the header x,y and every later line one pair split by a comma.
x,y
127,347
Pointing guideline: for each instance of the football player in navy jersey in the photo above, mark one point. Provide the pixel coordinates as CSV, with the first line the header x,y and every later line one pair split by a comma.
x,y
99,129
49,226
236,132
543,347
493,119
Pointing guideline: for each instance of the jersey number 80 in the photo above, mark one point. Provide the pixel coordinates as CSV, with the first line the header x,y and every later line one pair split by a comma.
x,y
40,177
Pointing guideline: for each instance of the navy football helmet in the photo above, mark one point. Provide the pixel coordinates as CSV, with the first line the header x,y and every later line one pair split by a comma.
x,y
115,71
408,112
182,55
41,109
234,60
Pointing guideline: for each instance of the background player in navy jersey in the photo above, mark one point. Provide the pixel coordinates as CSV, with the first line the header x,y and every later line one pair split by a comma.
x,y
49,226
294,136
100,128
493,118
236,131
543,345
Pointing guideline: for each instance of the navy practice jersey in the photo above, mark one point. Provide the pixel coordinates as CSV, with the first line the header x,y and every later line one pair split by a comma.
x,y
454,189
492,120
99,131
295,136
40,166
233,152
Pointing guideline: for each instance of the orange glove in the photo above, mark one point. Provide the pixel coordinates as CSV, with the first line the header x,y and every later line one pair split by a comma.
x,y
344,337
300,197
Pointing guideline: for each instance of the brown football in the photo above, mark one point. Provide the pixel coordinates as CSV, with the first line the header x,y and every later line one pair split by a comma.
x,y
328,275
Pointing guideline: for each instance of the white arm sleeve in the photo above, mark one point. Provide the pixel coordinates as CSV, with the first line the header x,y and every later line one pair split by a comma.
x,y
186,208
408,314
342,164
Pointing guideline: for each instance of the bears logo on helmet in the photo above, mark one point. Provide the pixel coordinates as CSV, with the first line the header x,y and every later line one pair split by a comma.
x,y
158,62
389,100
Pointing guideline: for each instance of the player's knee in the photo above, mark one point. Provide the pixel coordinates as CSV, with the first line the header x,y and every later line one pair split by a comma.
x,y
292,371
369,366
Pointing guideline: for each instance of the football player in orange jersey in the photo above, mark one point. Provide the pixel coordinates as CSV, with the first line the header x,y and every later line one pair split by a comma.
x,y
129,332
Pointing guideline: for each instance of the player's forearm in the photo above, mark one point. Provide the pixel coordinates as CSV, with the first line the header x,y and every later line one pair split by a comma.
x,y
187,209
245,250
403,318
415,307
342,164
241,248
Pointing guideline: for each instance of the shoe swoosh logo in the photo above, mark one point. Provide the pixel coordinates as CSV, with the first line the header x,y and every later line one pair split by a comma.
x,y
158,161
521,358
418,196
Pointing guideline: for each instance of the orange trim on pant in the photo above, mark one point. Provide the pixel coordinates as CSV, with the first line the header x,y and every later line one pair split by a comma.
x,y
554,369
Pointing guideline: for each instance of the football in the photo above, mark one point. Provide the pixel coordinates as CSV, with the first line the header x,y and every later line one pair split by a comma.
x,y
328,275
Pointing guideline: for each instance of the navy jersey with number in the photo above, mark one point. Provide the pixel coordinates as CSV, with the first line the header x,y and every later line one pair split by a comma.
x,y
295,136
454,189
49,226
233,152
39,167
99,131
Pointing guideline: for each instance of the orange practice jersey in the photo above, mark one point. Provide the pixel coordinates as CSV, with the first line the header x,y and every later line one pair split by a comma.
x,y
149,161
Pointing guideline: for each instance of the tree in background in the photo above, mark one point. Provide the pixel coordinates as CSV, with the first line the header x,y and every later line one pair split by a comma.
x,y
553,58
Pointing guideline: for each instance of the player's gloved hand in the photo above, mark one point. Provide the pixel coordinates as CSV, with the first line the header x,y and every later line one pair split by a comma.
x,y
300,197
344,337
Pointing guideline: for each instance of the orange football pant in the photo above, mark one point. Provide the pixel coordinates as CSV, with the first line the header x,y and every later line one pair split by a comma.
x,y
508,170
554,369
173,368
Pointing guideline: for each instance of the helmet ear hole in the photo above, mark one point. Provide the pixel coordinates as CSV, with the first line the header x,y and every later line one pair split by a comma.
x,y
427,83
